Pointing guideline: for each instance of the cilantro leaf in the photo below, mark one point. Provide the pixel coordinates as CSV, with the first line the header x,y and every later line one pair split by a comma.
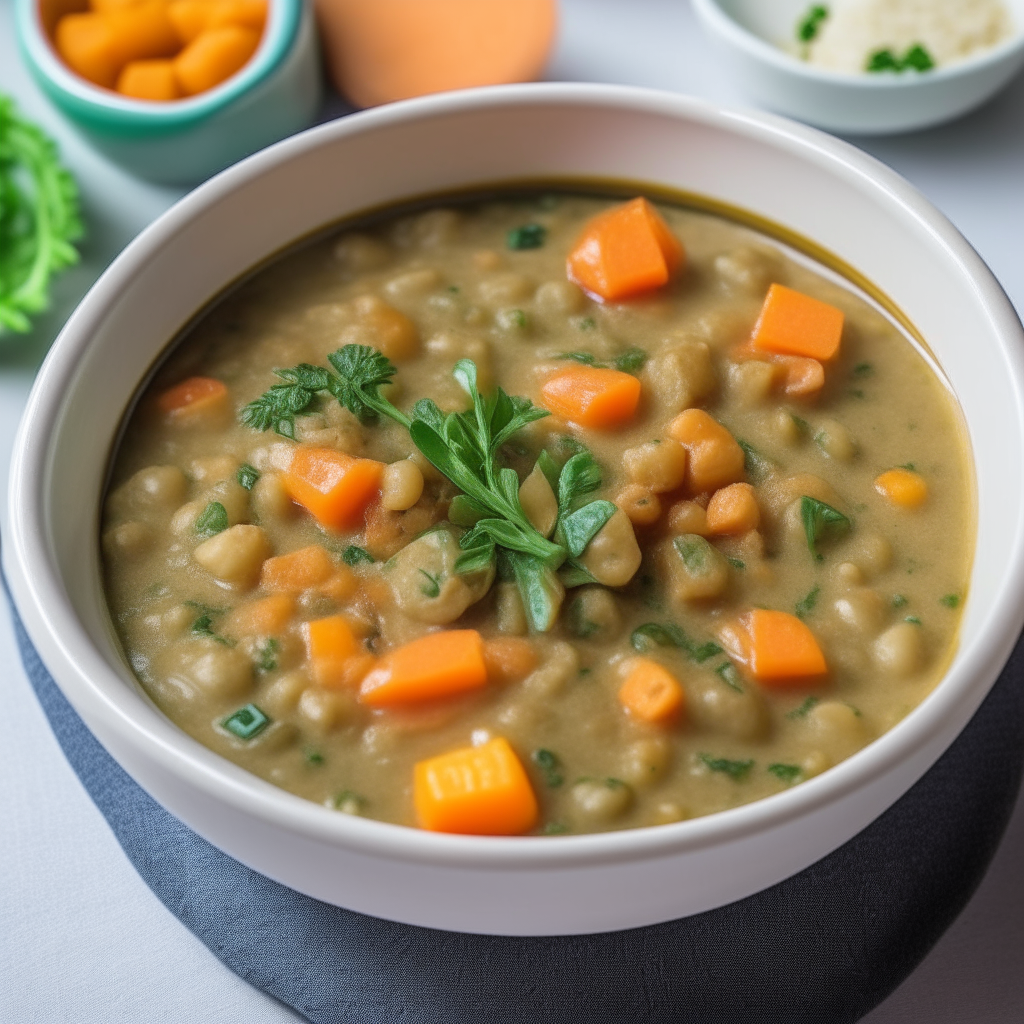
x,y
821,522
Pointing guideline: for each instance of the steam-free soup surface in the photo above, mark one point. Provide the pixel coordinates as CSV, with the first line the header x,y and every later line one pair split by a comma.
x,y
646,680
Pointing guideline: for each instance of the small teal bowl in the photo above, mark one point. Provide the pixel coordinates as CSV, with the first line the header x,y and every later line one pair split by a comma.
x,y
185,141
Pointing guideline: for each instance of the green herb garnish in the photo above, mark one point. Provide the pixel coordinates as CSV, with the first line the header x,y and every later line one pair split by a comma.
x,y
898,600
755,464
349,802
787,773
631,360
39,218
313,757
527,236
266,655
246,722
247,476
554,828
909,466
353,555
730,676
736,770
913,620
863,370
586,358
806,604
807,27
549,764
203,626
917,58
736,563
212,520
801,711
668,634
821,522
950,600
432,588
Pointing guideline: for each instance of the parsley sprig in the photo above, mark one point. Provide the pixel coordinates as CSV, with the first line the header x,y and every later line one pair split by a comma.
x,y
466,448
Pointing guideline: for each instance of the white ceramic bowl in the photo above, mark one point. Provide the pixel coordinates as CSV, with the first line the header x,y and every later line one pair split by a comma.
x,y
748,33
797,177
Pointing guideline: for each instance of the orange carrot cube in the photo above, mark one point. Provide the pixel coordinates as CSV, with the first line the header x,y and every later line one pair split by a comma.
x,y
480,790
509,659
775,648
214,56
335,656
334,487
650,692
436,665
592,396
267,616
149,80
624,251
297,570
794,324
193,401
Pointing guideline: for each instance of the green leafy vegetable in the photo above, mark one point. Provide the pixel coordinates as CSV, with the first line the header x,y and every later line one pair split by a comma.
x,y
898,600
736,563
266,655
549,765
527,236
757,467
863,370
586,358
730,676
883,60
432,588
203,626
807,27
821,522
247,722
39,218
631,360
950,600
313,756
917,58
247,476
913,620
806,604
736,770
212,520
668,634
787,773
801,711
353,555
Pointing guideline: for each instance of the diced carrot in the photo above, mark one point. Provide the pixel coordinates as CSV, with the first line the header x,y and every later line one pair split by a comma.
x,y
714,458
624,251
776,648
800,376
149,80
336,488
264,617
794,324
389,50
509,659
436,665
101,6
732,509
214,56
341,585
297,570
191,17
592,396
88,45
198,399
480,790
650,692
902,487
391,332
336,657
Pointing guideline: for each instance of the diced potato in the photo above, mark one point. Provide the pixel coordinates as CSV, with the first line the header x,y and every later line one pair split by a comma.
x,y
613,556
235,555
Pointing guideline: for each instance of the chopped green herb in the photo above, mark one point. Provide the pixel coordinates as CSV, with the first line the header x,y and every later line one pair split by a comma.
x,y
821,522
313,757
755,464
807,27
246,722
801,711
549,765
432,588
918,58
586,358
736,770
883,60
736,563
801,424
855,393
908,466
787,773
454,289
203,626
516,318
212,520
863,370
348,802
631,360
702,652
913,620
729,675
247,475
805,605
354,555
950,600
568,443
527,236
586,323
585,672
554,828
898,600
670,635
266,655
39,218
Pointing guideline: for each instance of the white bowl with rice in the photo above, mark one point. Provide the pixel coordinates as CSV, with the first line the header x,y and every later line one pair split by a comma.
x,y
931,60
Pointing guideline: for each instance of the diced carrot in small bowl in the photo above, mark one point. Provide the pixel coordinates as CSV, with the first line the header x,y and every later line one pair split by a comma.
x,y
149,80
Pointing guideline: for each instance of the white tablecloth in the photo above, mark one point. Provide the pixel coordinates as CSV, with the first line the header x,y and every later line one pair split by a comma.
x,y
82,939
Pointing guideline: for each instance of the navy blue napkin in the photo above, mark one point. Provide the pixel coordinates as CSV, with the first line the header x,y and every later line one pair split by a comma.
x,y
823,947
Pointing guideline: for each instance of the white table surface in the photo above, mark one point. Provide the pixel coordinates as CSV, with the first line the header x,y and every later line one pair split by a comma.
x,y
81,937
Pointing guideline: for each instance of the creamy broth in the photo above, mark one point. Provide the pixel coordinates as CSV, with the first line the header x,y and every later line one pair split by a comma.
x,y
199,503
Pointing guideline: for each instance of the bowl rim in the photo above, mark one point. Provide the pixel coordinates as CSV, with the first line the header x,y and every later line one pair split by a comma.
x,y
61,639
110,110
718,20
